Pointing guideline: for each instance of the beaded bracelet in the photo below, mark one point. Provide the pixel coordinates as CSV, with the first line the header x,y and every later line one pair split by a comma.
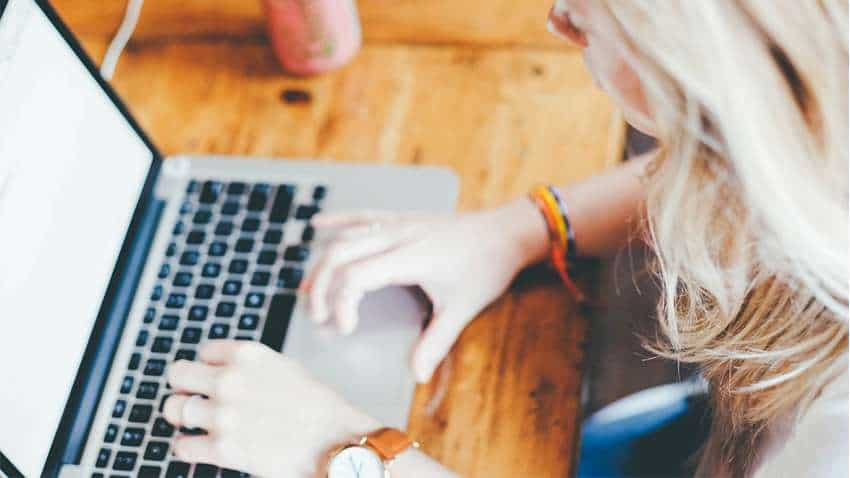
x,y
561,237
565,216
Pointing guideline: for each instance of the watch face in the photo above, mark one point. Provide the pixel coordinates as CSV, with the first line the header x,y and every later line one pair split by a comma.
x,y
356,462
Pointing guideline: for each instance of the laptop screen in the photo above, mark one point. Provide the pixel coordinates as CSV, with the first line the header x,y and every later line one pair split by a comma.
x,y
71,172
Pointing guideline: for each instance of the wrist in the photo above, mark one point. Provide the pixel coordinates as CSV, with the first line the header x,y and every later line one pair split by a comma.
x,y
526,230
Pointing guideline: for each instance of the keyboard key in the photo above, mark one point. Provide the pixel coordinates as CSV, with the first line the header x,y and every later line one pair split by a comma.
x,y
257,201
156,451
186,207
264,188
119,408
277,320
211,270
124,461
217,249
296,253
232,287
267,257
196,237
156,294
140,413
142,338
155,367
238,266
282,203
319,192
210,192
191,335
185,354
103,457
149,471
251,224
192,187
126,385
189,258
150,314
162,345
203,470
135,360
308,234
162,428
171,250
230,208
261,278
289,277
175,301
111,433
164,270
182,279
178,228
273,236
168,322
202,217
228,473
198,313
204,291
244,245
236,188
177,469
224,228
132,436
225,309
219,331
249,322
147,390
244,337
255,300
306,212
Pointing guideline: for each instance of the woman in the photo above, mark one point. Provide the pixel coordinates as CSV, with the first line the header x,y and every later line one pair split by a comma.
x,y
745,204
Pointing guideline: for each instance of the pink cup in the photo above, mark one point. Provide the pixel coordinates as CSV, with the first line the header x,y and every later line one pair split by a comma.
x,y
313,36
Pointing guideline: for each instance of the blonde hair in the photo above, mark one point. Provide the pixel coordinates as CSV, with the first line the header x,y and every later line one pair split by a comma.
x,y
748,200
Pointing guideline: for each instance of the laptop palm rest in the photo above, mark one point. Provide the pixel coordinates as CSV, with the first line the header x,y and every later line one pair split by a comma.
x,y
370,368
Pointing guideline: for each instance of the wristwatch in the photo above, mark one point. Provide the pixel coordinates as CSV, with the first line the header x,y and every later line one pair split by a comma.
x,y
371,456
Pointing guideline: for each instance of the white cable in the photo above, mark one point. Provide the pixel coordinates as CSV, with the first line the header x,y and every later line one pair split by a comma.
x,y
122,36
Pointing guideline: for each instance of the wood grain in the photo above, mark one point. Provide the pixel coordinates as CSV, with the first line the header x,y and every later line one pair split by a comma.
x,y
506,403
447,22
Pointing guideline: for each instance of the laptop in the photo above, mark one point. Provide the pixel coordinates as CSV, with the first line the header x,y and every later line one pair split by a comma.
x,y
115,261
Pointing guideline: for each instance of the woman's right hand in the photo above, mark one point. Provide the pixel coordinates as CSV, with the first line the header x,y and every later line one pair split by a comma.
x,y
461,261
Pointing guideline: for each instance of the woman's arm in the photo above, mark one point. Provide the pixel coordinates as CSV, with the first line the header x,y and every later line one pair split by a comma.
x,y
374,250
603,210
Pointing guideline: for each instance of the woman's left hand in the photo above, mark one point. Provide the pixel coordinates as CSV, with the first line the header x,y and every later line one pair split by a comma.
x,y
265,414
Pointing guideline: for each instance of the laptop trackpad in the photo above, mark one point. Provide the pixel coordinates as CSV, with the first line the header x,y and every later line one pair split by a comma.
x,y
370,368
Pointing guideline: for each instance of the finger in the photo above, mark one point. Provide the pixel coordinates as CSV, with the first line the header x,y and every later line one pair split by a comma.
x,y
193,377
190,411
364,276
436,342
197,449
336,256
219,352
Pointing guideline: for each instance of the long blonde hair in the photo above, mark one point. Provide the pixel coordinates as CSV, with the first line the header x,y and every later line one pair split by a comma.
x,y
748,200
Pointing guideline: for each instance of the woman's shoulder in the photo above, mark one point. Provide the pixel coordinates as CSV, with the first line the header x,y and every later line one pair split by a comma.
x,y
817,444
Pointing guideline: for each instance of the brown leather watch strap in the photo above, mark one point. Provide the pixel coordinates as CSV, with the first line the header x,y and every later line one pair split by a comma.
x,y
388,442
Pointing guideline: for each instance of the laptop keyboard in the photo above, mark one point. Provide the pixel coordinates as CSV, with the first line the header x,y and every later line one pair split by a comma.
x,y
230,271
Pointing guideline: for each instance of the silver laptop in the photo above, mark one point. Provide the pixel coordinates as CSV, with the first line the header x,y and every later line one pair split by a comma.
x,y
115,262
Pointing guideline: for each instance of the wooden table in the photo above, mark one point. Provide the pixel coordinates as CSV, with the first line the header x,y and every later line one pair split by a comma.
x,y
475,85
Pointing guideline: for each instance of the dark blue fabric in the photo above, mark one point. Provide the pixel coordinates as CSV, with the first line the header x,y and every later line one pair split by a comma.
x,y
659,444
